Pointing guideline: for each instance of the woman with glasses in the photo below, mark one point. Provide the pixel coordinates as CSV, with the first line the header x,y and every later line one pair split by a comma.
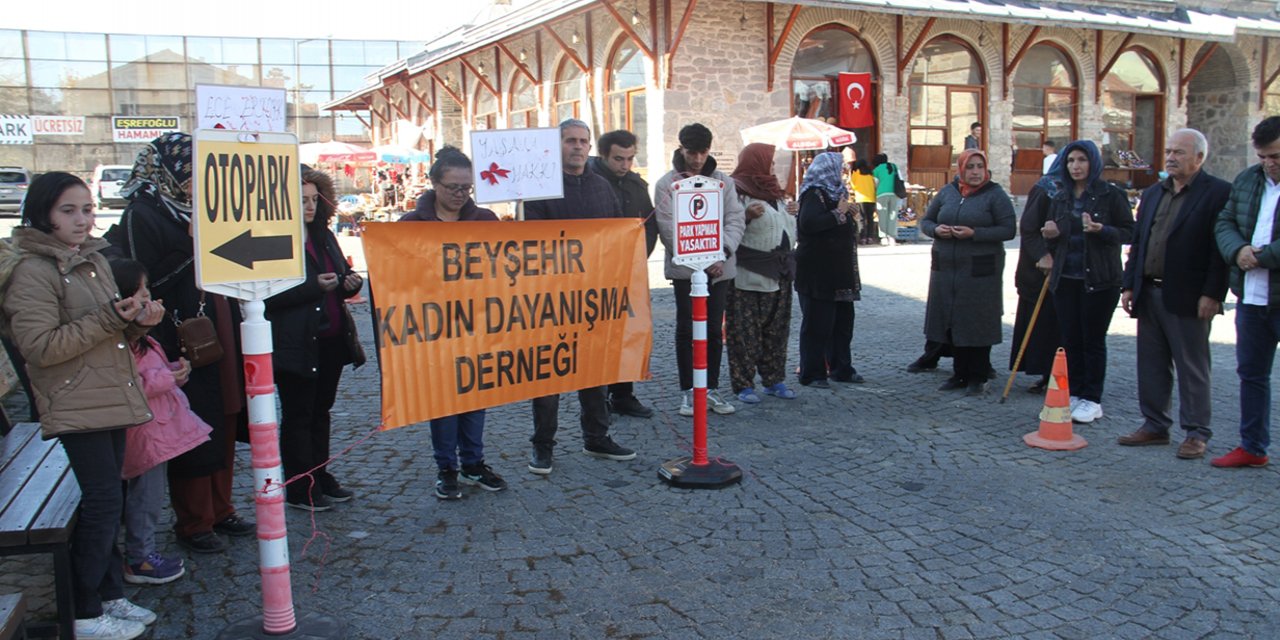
x,y
457,438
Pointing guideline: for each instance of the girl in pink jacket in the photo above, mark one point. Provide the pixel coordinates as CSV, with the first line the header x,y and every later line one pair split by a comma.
x,y
174,431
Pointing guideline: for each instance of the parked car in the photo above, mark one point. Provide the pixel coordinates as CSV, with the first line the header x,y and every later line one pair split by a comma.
x,y
106,184
13,188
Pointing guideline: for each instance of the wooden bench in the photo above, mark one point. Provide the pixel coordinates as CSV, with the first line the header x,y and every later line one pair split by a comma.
x,y
38,501
13,608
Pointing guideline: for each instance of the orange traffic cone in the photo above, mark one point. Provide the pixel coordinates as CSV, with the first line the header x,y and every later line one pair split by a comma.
x,y
357,298
1055,418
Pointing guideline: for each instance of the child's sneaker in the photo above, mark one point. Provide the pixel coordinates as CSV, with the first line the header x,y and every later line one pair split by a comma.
x,y
482,476
156,569
447,485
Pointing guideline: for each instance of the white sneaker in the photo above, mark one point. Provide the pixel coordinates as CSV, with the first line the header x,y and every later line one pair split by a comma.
x,y
686,403
1087,411
123,609
717,404
105,627
1075,402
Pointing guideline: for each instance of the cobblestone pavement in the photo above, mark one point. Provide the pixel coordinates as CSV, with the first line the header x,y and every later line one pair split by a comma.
x,y
881,510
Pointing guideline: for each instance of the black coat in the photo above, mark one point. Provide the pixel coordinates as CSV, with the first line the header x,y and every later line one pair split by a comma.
x,y
1192,265
1028,279
827,252
1108,205
633,195
297,316
148,234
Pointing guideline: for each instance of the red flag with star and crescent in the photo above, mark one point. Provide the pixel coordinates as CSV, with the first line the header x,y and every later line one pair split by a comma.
x,y
854,98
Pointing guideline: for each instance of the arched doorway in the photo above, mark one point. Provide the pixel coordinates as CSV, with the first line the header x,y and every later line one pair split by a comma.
x,y
1133,119
1044,109
566,93
822,55
486,109
624,106
947,91
524,103
1218,106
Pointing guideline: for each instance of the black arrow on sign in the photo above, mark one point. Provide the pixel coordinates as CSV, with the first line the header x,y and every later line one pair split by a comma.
x,y
245,249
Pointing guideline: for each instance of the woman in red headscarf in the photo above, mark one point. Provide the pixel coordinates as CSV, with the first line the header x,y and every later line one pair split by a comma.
x,y
758,313
969,220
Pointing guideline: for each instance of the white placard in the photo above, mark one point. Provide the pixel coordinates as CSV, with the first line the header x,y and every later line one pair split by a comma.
x,y
698,207
517,164
15,129
57,125
240,108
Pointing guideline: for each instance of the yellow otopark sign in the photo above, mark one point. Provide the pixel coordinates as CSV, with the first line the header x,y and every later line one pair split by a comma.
x,y
247,209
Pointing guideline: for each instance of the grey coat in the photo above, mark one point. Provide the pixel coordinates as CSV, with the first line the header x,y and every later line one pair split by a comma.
x,y
966,276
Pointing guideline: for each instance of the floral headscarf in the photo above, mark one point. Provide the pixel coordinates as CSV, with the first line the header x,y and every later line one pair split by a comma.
x,y
162,169
826,173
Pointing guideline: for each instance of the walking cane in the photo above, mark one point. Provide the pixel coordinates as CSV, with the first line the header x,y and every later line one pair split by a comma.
x,y
1026,337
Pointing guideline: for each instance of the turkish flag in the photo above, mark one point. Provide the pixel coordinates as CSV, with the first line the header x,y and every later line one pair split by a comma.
x,y
855,109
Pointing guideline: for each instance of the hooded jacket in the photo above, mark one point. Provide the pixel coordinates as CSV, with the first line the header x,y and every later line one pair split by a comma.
x,y
1105,204
174,430
59,310
732,223
633,195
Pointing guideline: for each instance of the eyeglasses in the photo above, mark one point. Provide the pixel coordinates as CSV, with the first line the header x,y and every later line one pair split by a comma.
x,y
456,189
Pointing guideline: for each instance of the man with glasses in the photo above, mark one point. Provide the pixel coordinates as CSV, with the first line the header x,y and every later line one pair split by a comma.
x,y
586,195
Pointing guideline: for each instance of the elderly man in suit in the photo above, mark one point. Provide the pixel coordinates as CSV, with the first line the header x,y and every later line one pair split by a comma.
x,y
1174,283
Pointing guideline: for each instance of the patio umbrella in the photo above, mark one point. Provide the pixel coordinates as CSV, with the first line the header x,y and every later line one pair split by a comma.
x,y
798,134
396,154
334,151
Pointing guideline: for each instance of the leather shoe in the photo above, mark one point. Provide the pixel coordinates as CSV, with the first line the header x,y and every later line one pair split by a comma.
x,y
920,367
952,384
1192,449
1142,438
630,406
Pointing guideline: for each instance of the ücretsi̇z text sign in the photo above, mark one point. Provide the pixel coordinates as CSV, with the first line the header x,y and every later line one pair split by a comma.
x,y
473,315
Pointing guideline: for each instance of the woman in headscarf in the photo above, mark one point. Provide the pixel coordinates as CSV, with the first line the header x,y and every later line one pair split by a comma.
x,y
155,230
1028,279
1089,219
758,313
826,274
314,337
969,220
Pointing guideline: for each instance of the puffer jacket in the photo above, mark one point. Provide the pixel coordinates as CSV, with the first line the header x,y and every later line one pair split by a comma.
x,y
1234,227
175,430
58,308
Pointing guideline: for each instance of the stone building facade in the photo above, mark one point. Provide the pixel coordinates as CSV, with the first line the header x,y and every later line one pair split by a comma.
x,y
731,64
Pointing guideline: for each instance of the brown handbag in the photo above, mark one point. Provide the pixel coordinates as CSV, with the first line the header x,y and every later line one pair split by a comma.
x,y
198,339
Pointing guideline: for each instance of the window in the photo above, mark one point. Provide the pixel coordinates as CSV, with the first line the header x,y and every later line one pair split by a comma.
x,y
946,92
486,109
11,43
524,103
625,106
821,56
60,74
48,45
567,91
13,72
1044,98
1132,110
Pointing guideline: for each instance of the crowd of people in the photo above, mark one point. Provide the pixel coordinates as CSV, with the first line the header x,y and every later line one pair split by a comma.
x,y
137,371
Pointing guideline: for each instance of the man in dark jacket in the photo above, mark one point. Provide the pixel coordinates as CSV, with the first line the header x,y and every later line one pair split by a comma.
x,y
586,195
617,154
1174,283
1246,235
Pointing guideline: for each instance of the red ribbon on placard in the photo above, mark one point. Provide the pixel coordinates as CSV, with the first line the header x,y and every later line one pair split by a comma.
x,y
494,173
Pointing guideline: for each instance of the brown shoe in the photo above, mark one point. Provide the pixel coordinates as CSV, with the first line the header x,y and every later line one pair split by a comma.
x,y
1192,449
1142,438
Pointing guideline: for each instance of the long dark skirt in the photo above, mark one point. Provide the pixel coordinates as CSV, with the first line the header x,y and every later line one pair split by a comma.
x,y
1045,338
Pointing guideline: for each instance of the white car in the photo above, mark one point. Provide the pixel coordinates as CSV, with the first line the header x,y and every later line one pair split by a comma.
x,y
106,184
13,188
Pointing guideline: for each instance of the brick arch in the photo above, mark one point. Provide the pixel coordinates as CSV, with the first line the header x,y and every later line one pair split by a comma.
x,y
1066,51
1083,60
879,41
1217,104
988,55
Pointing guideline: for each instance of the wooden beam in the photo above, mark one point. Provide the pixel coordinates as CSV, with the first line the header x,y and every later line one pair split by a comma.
x,y
386,95
362,121
684,25
1262,76
1195,69
914,49
479,76
1128,37
626,28
1271,79
444,85
590,42
567,49
1017,58
653,32
520,66
775,48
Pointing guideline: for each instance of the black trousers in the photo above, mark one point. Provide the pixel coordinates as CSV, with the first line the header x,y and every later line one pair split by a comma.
x,y
1084,318
717,296
595,417
304,414
826,339
972,363
97,565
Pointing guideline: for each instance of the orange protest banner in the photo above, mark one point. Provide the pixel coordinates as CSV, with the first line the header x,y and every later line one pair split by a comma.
x,y
478,314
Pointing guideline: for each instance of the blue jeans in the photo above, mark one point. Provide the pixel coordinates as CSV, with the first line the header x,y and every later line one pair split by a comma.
x,y
1257,331
460,436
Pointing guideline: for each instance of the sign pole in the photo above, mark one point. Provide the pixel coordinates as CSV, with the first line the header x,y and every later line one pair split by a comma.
x,y
278,619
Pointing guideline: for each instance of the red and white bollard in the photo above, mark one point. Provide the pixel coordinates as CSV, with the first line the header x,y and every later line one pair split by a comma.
x,y
698,471
277,619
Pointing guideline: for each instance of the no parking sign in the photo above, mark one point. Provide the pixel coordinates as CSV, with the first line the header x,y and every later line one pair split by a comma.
x,y
698,212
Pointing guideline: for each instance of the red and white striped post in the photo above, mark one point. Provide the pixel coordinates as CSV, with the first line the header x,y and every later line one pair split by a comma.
x,y
278,619
699,472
